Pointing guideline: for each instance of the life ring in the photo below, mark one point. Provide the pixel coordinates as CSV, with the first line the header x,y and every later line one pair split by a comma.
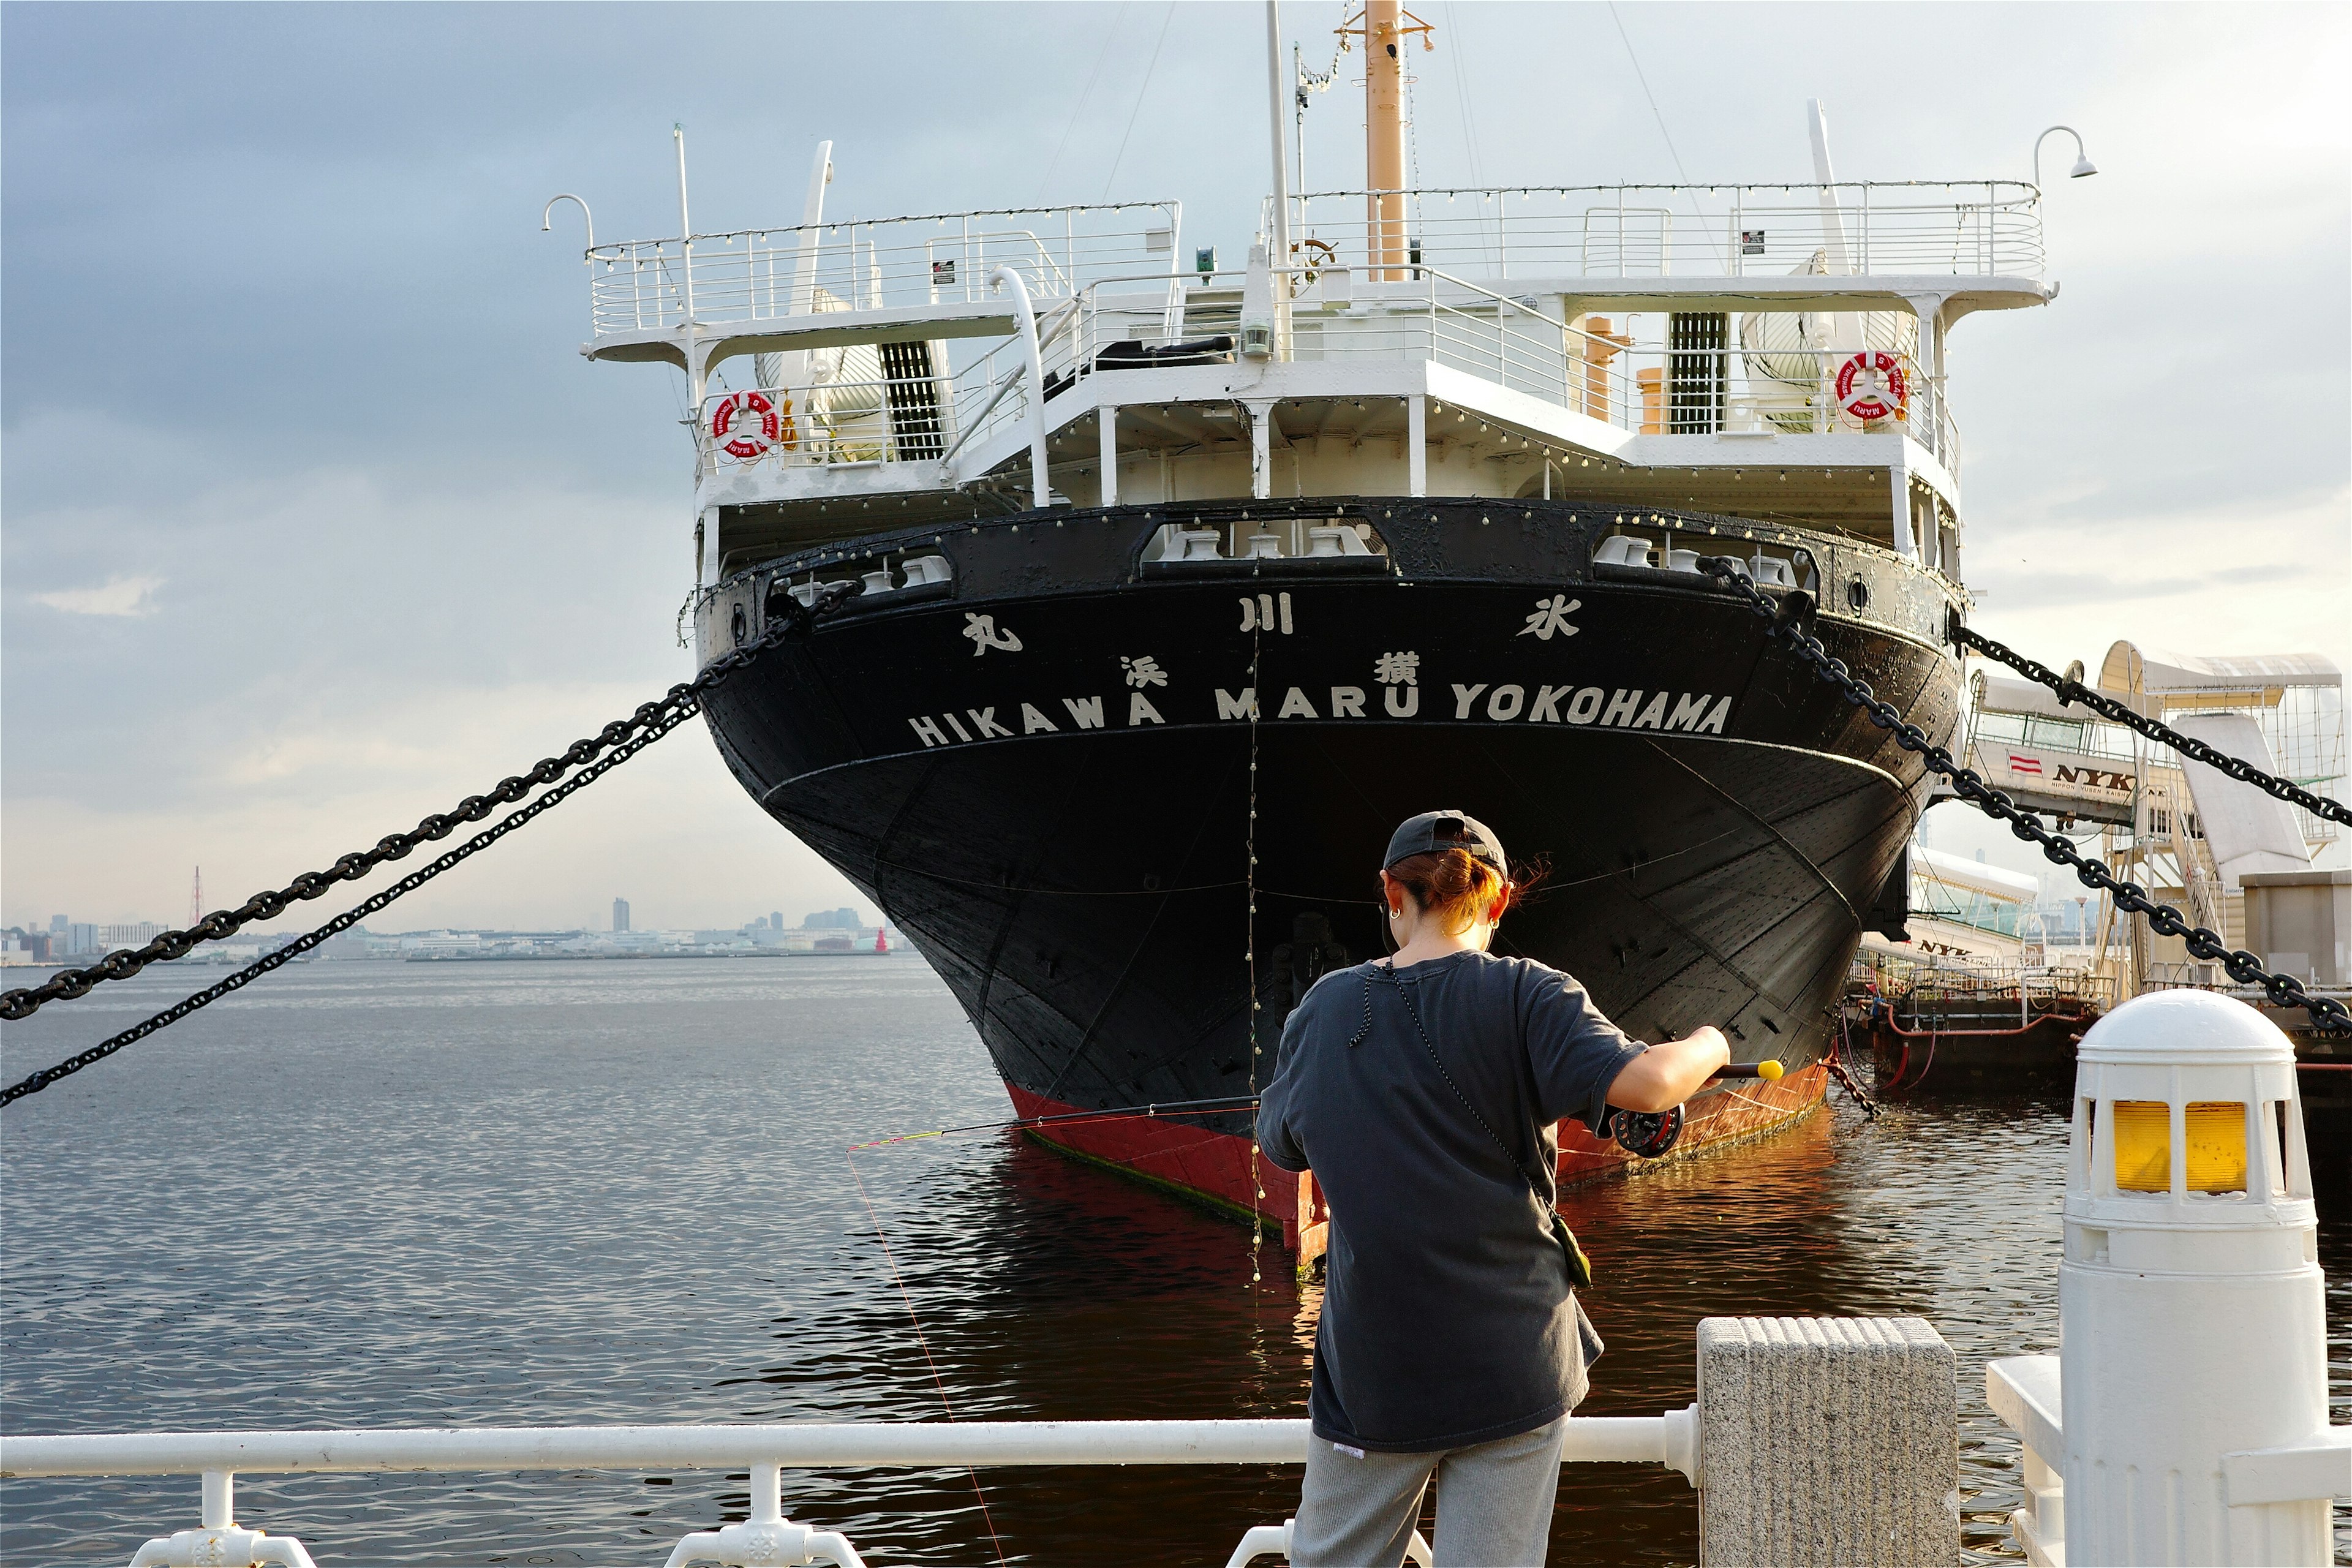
x,y
1870,386
746,424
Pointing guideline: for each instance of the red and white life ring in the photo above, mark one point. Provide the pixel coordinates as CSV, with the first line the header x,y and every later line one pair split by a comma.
x,y
745,425
1870,386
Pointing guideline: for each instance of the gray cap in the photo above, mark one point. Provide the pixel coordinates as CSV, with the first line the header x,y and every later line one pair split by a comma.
x,y
1435,830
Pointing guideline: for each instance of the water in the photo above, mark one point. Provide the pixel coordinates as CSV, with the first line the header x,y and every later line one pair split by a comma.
x,y
376,1195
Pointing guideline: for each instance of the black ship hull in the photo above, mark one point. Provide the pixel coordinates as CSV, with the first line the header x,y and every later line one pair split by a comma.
x,y
1052,779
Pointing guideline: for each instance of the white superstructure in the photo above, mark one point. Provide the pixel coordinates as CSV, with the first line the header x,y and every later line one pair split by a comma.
x,y
1775,353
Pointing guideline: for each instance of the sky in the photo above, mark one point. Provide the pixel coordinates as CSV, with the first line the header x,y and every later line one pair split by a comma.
x,y
313,519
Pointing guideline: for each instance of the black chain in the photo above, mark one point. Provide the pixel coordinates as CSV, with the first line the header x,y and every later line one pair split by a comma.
x,y
650,722
680,702
2283,991
1845,1081
2187,746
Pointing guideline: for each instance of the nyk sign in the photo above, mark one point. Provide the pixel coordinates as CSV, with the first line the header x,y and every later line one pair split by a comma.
x,y
2063,771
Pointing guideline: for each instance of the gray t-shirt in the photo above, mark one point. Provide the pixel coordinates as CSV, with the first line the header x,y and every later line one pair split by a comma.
x,y
1447,1315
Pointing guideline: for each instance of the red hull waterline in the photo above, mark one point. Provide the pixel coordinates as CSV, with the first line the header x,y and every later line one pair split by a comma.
x,y
1214,1167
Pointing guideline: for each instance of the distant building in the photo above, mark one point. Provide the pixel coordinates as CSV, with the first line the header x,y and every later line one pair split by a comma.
x,y
620,914
82,937
138,934
57,923
833,920
776,920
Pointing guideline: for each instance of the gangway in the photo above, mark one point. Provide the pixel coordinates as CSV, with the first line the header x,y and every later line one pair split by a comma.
x,y
2052,759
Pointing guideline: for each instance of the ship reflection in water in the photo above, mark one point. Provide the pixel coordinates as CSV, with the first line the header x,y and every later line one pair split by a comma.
x,y
605,1192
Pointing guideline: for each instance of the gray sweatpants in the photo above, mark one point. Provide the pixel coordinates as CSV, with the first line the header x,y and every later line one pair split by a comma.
x,y
1494,1503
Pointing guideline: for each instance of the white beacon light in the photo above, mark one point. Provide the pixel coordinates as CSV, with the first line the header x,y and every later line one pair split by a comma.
x,y
2191,1301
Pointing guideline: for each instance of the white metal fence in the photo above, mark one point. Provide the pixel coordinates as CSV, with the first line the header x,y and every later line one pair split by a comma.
x,y
756,275
1982,227
1754,380
765,1451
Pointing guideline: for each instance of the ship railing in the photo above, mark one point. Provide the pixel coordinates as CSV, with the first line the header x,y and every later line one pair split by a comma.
x,y
844,411
763,1452
1928,985
1974,227
1654,388
747,276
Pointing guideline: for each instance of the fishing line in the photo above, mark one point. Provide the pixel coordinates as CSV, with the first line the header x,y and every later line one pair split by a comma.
x,y
850,1156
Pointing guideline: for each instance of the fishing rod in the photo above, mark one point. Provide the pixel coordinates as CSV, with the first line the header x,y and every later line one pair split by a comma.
x,y
1063,1119
1766,1070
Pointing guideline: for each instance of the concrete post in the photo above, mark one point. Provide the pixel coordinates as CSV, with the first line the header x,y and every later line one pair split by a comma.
x,y
1828,1441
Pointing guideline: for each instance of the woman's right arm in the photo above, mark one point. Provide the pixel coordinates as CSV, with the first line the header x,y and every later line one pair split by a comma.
x,y
1664,1075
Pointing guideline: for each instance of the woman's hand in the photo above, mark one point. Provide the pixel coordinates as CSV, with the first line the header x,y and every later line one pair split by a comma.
x,y
1664,1075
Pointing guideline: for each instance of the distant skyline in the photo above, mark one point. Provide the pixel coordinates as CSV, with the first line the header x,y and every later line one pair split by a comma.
x,y
313,520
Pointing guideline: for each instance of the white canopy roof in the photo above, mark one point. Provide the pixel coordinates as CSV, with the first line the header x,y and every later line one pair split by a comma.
x,y
2156,672
2008,694
1974,876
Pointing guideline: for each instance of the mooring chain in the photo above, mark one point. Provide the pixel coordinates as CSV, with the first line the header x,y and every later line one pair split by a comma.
x,y
2122,713
2283,991
680,702
350,917
651,722
1845,1081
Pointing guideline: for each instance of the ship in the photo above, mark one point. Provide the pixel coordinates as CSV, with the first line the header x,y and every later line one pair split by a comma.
x,y
1175,584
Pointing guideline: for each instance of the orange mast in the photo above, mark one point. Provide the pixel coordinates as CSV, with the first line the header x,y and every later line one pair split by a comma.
x,y
1386,24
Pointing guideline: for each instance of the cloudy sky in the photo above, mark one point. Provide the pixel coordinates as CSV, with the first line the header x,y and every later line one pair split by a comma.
x,y
315,521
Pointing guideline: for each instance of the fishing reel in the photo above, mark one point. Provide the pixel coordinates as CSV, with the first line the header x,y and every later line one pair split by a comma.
x,y
1649,1133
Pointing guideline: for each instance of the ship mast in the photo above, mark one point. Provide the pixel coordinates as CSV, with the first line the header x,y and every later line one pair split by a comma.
x,y
1386,24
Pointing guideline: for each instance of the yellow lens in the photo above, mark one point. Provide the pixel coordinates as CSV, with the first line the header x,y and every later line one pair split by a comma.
x,y
2217,1146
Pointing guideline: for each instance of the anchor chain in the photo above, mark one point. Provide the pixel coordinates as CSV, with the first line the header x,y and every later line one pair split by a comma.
x,y
2327,1013
649,723
1836,1064
2187,746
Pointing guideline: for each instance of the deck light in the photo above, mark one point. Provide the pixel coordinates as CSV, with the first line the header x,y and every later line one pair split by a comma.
x,y
2082,164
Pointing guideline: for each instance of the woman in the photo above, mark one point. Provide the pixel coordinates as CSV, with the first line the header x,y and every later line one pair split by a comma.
x,y
1422,1092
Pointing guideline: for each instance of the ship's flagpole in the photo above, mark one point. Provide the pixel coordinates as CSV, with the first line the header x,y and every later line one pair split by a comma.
x,y
685,277
1277,104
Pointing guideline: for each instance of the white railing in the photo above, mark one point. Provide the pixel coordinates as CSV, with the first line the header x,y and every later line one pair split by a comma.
x,y
1652,390
766,1451
756,275
1982,227
849,412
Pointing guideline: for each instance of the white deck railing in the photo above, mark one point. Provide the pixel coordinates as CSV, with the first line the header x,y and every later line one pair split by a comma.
x,y
1975,227
756,275
849,413
766,1451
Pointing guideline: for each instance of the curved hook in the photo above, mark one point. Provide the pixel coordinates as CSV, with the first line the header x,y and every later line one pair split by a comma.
x,y
544,226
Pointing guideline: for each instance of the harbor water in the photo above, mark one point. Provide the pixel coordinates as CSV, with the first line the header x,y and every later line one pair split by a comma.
x,y
366,1194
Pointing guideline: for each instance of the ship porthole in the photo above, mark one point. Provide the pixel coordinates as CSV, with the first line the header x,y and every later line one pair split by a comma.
x,y
736,625
1857,593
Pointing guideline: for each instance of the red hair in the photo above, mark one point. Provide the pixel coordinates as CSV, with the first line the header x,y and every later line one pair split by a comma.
x,y
1459,887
